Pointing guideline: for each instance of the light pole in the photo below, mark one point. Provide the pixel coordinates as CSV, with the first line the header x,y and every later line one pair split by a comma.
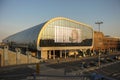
x,y
99,23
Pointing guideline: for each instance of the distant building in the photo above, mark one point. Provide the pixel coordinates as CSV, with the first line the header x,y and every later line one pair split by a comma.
x,y
102,42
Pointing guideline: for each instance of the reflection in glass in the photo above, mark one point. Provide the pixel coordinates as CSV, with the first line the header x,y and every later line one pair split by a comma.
x,y
66,33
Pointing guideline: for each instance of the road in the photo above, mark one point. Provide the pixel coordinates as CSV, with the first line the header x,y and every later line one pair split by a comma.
x,y
75,67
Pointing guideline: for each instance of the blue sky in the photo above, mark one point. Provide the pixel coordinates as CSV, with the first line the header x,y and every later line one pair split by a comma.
x,y
17,15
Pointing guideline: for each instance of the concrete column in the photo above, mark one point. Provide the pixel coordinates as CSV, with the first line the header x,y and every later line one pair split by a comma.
x,y
18,51
75,54
65,54
44,54
49,53
37,54
5,53
53,54
84,52
60,53
94,52
91,52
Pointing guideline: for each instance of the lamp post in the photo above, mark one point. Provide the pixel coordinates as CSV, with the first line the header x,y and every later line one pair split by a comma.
x,y
99,23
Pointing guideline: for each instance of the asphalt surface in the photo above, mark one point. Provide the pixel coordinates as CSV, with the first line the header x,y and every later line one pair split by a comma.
x,y
15,72
27,72
112,71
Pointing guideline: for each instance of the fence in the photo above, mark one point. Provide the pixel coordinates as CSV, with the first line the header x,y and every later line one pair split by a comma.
x,y
35,76
8,57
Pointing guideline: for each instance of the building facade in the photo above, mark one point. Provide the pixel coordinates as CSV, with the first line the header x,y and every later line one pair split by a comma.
x,y
57,37
102,42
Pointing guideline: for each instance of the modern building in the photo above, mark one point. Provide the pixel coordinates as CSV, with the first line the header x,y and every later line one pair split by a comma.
x,y
57,37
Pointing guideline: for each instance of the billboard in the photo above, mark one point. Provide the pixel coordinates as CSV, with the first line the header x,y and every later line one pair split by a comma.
x,y
67,35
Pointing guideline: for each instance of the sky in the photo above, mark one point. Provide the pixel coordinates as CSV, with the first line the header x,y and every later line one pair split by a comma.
x,y
18,15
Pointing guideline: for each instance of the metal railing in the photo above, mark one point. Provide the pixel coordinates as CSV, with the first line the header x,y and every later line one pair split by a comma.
x,y
35,76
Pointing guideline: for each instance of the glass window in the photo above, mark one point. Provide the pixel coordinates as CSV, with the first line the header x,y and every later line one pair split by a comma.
x,y
66,33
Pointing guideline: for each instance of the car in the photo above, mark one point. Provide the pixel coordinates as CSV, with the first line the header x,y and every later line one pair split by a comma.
x,y
86,65
104,61
110,59
92,63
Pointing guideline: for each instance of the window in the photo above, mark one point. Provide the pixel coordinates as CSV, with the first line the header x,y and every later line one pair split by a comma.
x,y
66,33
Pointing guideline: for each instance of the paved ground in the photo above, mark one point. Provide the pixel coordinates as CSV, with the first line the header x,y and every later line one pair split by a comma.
x,y
26,72
112,71
15,72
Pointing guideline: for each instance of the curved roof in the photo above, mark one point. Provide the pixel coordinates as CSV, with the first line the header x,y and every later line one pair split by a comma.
x,y
28,36
31,36
52,20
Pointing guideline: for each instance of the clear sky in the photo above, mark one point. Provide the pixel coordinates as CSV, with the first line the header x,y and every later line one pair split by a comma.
x,y
17,15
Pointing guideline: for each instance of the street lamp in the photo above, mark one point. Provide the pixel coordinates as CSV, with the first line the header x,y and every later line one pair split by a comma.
x,y
99,46
99,24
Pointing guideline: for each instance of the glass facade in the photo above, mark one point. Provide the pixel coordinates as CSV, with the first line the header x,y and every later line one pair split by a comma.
x,y
63,32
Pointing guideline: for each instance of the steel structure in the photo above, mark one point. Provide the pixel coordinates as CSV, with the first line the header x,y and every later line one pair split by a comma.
x,y
55,34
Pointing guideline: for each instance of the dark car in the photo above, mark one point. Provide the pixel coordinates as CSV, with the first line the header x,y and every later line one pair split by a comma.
x,y
92,63
110,59
86,65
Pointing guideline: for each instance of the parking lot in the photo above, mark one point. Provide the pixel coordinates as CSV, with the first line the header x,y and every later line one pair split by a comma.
x,y
86,63
109,66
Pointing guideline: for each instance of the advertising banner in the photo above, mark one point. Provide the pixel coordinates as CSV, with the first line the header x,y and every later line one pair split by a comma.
x,y
67,35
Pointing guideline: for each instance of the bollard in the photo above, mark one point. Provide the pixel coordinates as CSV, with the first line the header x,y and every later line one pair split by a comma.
x,y
38,68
